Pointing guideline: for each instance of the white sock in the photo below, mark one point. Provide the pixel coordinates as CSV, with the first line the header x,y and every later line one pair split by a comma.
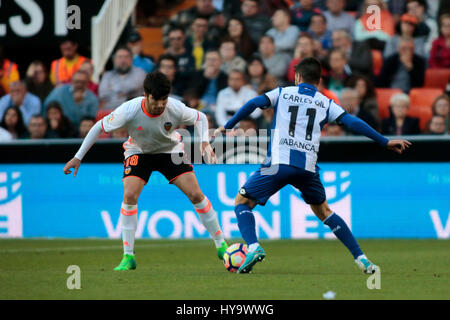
x,y
208,217
363,256
129,225
253,247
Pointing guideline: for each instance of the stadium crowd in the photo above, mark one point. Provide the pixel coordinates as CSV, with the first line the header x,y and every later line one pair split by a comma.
x,y
221,53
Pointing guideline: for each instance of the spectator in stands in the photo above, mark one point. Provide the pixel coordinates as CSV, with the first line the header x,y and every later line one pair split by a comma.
x,y
257,23
232,98
276,63
167,64
284,34
75,99
318,30
239,33
9,72
192,99
185,18
88,67
399,123
440,51
303,49
397,8
259,79
351,103
63,69
404,69
185,60
364,26
333,130
210,80
28,103
197,43
337,18
339,72
86,124
427,26
58,124
359,54
37,128
230,59
327,93
437,125
406,29
302,11
12,122
134,42
441,107
122,83
38,81
366,93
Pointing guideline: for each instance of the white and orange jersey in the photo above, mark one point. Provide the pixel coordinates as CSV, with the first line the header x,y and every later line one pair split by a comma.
x,y
149,133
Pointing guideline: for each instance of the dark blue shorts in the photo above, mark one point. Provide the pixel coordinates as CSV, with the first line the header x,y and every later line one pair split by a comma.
x,y
268,180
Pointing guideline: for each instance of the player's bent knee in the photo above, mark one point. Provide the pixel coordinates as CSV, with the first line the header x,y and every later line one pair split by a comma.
x,y
196,196
243,200
130,197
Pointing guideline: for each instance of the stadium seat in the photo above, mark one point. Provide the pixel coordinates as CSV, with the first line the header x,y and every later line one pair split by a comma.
x,y
383,99
424,97
152,43
437,78
377,61
423,113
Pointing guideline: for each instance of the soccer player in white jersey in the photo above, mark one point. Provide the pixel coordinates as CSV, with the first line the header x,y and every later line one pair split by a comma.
x,y
300,112
154,145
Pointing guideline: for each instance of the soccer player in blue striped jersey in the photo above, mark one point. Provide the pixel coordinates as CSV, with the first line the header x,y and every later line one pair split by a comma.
x,y
300,112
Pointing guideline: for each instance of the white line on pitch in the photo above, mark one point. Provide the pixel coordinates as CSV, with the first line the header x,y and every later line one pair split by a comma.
x,y
116,247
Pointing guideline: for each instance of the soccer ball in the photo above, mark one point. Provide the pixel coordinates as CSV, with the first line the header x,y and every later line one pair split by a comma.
x,y
234,256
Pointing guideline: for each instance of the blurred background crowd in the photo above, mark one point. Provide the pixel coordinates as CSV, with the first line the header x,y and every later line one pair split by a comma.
x,y
221,53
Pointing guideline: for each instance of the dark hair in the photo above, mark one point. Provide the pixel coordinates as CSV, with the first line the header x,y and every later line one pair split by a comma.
x,y
68,38
319,15
442,96
87,118
422,3
176,28
65,127
20,128
398,29
244,47
167,56
157,84
256,58
268,37
310,70
370,87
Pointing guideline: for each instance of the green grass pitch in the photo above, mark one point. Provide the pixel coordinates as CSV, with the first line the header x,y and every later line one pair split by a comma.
x,y
189,269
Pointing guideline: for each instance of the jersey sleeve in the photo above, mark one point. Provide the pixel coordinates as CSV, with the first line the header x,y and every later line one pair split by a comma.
x,y
116,119
188,116
272,96
335,111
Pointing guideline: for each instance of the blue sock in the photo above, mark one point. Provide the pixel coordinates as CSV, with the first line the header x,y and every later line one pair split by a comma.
x,y
343,233
246,223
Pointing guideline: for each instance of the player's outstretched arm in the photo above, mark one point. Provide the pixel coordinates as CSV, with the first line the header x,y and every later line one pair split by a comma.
x,y
203,129
88,142
258,102
362,127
